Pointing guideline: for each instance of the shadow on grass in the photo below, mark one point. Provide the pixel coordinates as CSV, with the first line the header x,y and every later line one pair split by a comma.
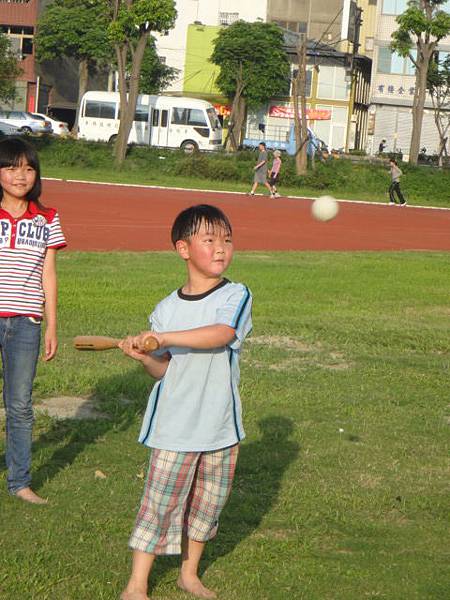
x,y
72,436
260,470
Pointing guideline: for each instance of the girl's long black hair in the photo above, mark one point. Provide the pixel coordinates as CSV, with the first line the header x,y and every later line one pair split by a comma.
x,y
13,151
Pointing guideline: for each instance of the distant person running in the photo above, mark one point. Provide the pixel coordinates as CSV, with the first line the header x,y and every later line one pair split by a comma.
x,y
382,146
260,177
274,174
394,188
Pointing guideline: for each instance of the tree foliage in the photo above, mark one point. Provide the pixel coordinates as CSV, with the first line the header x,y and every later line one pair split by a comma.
x,y
155,76
438,85
253,68
9,70
421,27
254,52
74,28
131,24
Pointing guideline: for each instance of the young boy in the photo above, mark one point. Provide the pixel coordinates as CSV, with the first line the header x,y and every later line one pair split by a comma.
x,y
193,418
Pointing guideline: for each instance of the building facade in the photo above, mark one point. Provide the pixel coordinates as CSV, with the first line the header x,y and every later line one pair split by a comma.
x,y
198,21
392,89
18,21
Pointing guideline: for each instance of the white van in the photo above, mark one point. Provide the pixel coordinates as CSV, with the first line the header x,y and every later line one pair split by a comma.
x,y
165,121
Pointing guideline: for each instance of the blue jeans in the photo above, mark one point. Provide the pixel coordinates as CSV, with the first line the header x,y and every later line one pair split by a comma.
x,y
19,343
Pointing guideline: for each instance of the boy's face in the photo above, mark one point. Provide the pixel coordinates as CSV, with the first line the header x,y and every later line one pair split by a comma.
x,y
208,253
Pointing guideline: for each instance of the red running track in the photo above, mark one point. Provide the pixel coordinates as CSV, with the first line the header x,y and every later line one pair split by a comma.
x,y
105,217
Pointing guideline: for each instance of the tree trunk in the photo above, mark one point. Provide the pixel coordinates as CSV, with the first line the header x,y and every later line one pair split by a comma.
x,y
423,60
83,76
128,103
300,123
237,116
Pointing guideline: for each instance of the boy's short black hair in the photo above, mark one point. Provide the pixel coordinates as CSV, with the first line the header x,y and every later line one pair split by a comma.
x,y
262,144
12,152
189,221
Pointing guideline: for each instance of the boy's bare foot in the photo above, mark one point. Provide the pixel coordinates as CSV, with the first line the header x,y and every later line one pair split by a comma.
x,y
133,596
193,585
28,495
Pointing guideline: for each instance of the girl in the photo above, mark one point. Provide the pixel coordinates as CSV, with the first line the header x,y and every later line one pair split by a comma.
x,y
30,234
274,173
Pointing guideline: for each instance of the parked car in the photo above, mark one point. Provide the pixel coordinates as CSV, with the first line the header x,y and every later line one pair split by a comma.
x,y
8,129
59,127
25,121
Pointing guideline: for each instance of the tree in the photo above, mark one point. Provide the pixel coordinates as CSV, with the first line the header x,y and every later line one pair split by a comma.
x,y
253,68
9,70
421,27
438,85
76,29
132,22
300,123
155,75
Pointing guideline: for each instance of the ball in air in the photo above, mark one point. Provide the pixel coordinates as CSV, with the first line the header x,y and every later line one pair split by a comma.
x,y
324,208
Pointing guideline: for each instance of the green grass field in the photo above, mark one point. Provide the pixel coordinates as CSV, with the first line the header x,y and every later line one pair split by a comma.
x,y
342,485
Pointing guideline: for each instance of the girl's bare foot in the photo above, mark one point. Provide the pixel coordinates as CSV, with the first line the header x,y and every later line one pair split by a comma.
x,y
28,495
135,595
193,585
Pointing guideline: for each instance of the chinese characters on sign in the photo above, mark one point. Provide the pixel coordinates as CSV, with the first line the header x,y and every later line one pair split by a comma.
x,y
390,89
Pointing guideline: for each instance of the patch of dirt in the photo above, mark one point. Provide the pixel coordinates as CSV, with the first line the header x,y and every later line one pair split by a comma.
x,y
283,342
273,534
304,355
370,481
67,407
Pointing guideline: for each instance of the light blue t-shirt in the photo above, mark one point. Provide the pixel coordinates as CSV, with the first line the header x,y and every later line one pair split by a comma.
x,y
196,406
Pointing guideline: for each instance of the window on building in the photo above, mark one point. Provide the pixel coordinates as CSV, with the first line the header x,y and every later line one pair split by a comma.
x,y
394,64
227,18
394,7
369,44
27,46
332,83
308,80
295,26
21,38
332,131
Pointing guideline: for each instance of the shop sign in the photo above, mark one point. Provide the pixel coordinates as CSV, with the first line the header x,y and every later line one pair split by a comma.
x,y
312,114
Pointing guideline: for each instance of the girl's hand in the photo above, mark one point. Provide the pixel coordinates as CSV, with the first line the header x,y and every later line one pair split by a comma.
x,y
50,344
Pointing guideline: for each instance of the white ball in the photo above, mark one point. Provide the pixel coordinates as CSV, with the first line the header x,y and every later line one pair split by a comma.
x,y
324,208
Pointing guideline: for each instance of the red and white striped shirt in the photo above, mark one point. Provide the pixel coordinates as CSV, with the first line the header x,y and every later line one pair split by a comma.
x,y
23,245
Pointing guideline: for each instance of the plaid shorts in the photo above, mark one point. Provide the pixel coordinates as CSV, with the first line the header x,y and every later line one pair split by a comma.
x,y
185,492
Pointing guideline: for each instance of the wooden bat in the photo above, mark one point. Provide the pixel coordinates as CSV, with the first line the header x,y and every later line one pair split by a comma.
x,y
102,342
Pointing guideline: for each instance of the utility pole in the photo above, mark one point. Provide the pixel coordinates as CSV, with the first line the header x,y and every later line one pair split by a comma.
x,y
351,69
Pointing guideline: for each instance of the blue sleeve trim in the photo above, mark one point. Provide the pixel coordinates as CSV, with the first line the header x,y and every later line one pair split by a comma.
x,y
152,416
236,427
241,309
